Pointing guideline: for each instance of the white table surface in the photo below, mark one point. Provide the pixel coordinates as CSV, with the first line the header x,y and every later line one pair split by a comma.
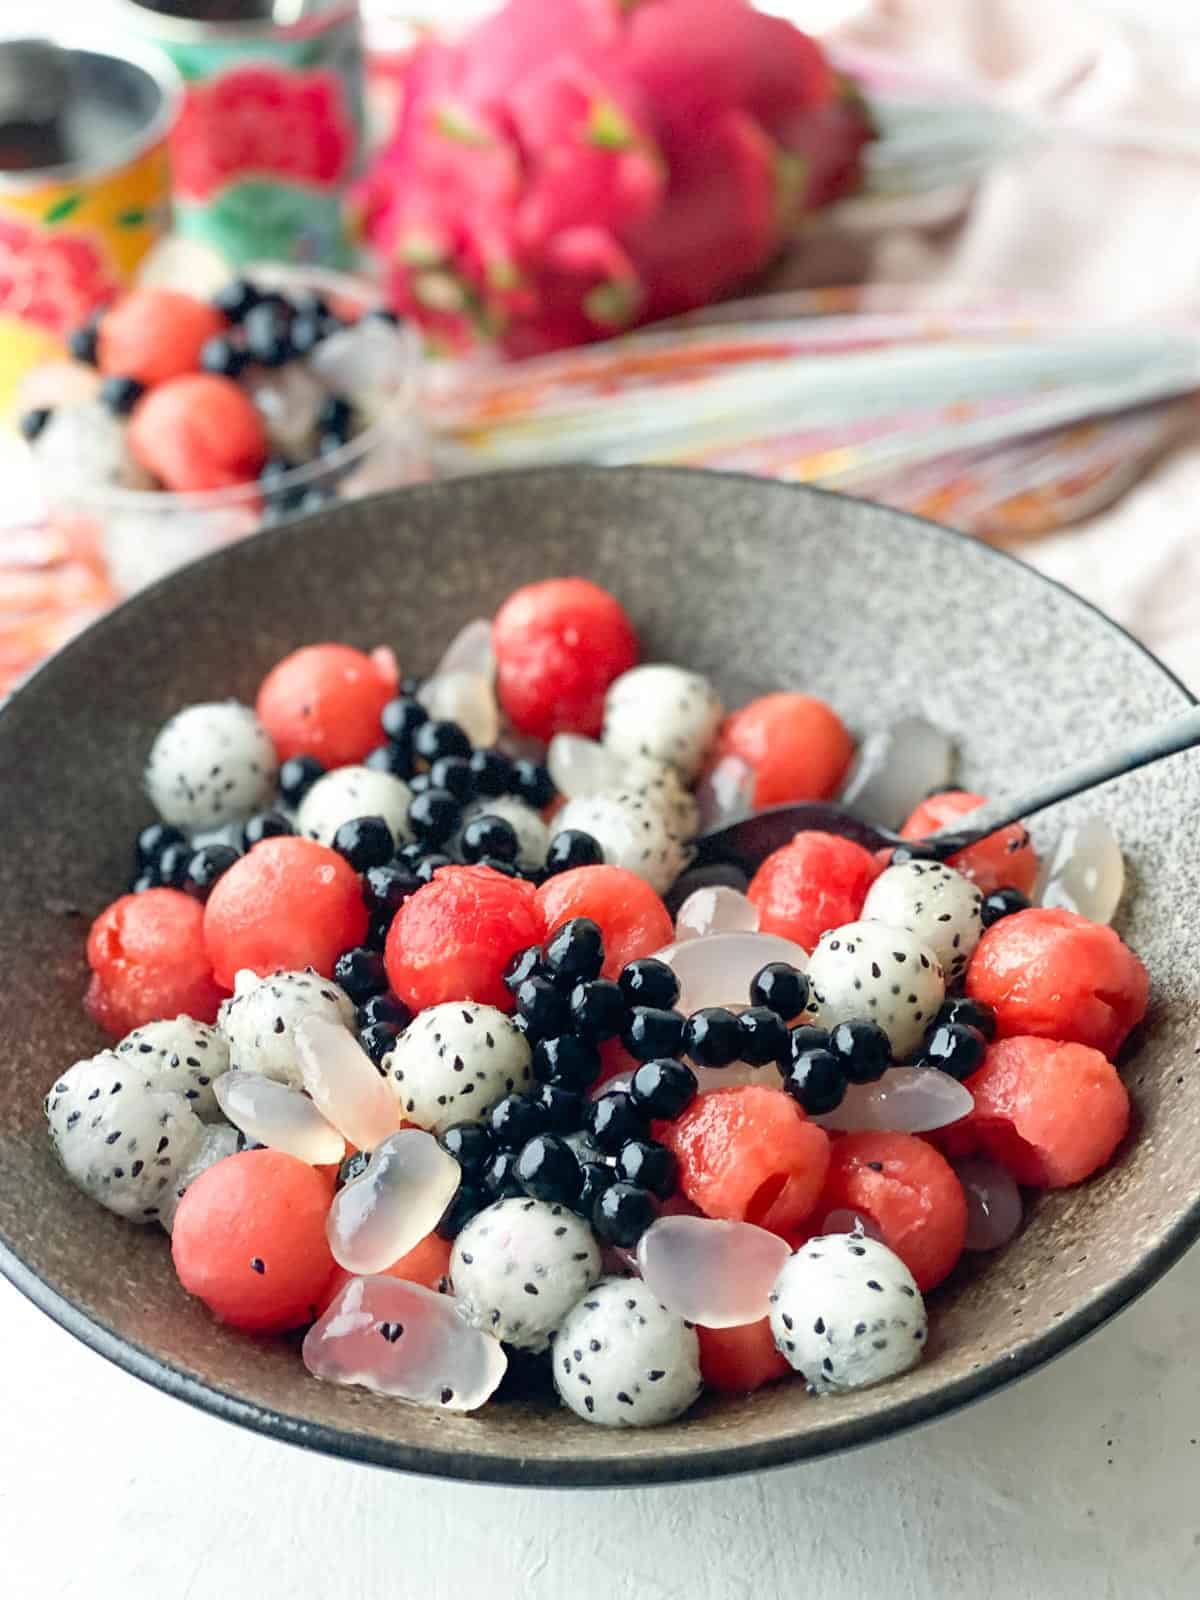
x,y
1077,1484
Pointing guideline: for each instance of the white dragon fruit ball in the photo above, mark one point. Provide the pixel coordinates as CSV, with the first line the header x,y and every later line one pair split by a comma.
x,y
631,831
941,906
122,1141
519,1266
662,785
259,1021
533,836
872,970
623,1360
664,712
181,1054
220,1139
454,1061
211,764
846,1313
348,793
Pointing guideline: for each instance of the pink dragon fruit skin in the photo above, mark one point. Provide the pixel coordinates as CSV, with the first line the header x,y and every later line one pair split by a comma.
x,y
546,187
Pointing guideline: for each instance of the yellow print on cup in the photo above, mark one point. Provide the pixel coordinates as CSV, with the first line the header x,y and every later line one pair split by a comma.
x,y
66,248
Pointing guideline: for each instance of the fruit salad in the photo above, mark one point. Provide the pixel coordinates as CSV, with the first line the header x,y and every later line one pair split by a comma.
x,y
167,391
427,1037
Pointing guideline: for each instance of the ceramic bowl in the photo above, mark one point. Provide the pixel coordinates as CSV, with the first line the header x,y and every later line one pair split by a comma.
x,y
761,585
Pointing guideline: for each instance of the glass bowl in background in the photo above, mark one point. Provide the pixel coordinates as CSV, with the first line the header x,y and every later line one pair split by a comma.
x,y
87,547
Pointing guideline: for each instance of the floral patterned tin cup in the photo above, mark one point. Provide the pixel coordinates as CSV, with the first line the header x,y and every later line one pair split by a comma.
x,y
83,185
271,131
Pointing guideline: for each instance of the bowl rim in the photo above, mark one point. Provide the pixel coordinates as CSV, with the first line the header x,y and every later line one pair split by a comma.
x,y
584,1470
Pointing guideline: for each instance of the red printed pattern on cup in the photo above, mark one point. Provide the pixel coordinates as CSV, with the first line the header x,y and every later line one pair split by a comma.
x,y
52,279
259,121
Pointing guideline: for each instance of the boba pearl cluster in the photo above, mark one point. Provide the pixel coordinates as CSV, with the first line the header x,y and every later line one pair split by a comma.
x,y
167,391
426,1037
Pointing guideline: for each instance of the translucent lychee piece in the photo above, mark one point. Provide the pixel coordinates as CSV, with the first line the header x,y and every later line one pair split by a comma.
x,y
343,1081
470,650
582,766
993,1202
278,1116
842,1220
1085,871
904,1100
895,769
717,970
715,910
718,1274
403,1340
372,361
389,1208
717,874
289,400
725,792
466,698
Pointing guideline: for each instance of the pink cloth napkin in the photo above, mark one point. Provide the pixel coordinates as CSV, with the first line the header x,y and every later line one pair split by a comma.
x,y
1100,214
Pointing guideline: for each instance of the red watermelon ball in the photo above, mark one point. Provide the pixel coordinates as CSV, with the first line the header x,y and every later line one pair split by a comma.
x,y
288,904
325,700
455,937
154,334
148,961
198,432
558,646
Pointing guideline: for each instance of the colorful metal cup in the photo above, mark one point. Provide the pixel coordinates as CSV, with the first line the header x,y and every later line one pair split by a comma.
x,y
84,190
272,124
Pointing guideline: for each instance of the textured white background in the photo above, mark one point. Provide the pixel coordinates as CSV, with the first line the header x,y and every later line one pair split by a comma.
x,y
1076,1485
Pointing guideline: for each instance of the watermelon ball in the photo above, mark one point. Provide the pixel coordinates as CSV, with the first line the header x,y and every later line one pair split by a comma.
x,y
740,1360
909,1192
632,919
1054,974
818,881
558,646
1005,859
156,334
749,1154
1051,1113
149,961
249,1240
454,938
198,432
288,904
324,702
797,747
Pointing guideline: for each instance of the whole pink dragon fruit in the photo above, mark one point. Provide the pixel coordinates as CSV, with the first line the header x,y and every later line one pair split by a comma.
x,y
557,179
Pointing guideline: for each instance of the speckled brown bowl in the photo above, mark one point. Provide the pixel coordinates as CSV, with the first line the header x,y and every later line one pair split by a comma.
x,y
759,584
